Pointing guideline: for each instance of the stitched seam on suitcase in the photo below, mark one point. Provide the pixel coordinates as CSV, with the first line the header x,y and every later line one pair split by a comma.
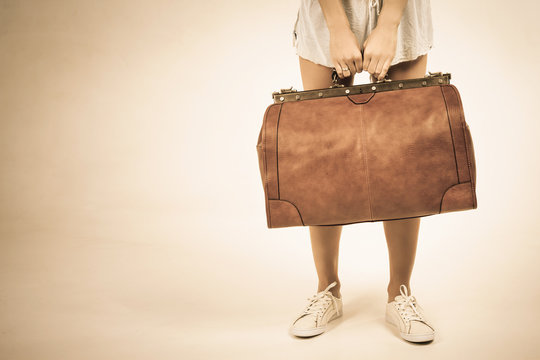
x,y
365,159
277,147
456,115
465,142
266,169
451,132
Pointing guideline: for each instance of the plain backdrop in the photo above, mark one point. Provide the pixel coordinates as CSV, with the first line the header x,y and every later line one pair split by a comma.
x,y
132,219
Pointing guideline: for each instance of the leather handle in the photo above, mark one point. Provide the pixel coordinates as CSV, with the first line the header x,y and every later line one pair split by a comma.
x,y
359,99
335,78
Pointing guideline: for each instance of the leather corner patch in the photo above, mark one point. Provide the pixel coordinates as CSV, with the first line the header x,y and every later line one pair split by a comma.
x,y
283,214
458,197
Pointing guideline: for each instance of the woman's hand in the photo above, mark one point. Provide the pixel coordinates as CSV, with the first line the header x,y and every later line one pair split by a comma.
x,y
379,50
345,52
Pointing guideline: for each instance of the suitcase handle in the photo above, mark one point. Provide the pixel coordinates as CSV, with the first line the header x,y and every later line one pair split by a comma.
x,y
335,79
386,78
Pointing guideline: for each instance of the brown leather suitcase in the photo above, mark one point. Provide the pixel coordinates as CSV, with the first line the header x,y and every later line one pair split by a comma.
x,y
380,151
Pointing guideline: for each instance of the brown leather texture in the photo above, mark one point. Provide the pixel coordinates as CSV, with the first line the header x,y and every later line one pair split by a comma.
x,y
366,157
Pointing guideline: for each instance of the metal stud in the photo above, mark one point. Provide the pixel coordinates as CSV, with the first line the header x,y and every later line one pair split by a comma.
x,y
281,98
297,97
440,81
424,83
320,94
347,91
400,85
373,87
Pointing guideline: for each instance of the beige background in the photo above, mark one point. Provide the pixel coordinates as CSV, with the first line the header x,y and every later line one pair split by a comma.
x,y
132,221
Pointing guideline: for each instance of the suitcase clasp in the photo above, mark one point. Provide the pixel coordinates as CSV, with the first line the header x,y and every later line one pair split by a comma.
x,y
437,74
284,91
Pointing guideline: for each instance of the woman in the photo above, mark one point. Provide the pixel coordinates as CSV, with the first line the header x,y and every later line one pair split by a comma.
x,y
390,38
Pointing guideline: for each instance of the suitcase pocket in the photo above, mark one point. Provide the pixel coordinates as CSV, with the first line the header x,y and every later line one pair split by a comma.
x,y
470,152
260,156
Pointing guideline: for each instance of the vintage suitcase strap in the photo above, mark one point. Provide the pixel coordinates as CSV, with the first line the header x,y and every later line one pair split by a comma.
x,y
371,152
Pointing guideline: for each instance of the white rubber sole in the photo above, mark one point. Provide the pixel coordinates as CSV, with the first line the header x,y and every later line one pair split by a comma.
x,y
410,337
312,332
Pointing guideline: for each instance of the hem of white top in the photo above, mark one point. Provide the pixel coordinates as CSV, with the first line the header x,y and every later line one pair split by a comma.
x,y
423,50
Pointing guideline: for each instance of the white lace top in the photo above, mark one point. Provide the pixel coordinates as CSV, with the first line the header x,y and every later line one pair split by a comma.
x,y
311,37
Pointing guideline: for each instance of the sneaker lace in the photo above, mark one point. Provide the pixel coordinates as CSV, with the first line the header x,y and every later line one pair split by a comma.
x,y
319,302
407,305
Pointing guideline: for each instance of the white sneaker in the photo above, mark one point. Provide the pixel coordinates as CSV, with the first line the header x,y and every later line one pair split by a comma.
x,y
408,316
322,308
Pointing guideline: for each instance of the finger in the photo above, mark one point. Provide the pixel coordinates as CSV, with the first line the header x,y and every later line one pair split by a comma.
x,y
355,69
358,63
349,66
373,66
385,68
366,62
366,56
379,69
339,72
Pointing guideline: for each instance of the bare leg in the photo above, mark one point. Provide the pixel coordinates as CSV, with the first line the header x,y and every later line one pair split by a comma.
x,y
324,239
402,235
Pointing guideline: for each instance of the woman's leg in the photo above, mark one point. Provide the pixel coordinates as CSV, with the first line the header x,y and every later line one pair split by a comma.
x,y
324,239
402,235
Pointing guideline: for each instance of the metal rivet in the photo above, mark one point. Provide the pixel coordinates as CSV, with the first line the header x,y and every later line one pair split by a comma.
x,y
440,81
400,85
282,98
297,97
373,87
347,91
320,94
424,83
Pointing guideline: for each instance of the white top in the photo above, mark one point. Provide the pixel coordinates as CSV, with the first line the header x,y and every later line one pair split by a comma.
x,y
311,37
